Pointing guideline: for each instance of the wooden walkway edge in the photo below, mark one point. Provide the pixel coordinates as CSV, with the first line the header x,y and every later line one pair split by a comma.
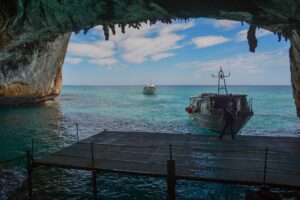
x,y
248,160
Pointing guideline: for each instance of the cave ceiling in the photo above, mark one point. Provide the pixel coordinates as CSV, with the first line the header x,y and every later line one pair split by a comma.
x,y
28,20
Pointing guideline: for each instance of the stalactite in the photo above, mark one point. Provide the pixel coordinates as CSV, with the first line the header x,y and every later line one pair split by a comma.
x,y
106,31
85,31
112,28
123,27
279,37
252,41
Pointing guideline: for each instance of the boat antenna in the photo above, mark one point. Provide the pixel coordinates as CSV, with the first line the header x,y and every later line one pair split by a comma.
x,y
228,66
221,76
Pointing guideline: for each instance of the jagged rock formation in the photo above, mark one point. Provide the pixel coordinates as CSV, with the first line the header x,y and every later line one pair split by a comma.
x,y
295,67
32,72
39,22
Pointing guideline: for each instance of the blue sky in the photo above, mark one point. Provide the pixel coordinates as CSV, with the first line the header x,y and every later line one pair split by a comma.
x,y
176,54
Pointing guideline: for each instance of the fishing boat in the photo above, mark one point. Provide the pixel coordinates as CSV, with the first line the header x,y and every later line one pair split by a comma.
x,y
207,109
149,89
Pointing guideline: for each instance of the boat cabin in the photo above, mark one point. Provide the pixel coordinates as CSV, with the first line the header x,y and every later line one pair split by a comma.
x,y
149,89
210,103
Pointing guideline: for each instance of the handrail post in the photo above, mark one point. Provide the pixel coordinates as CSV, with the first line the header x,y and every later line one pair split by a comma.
x,y
265,166
29,174
32,149
171,152
77,132
265,191
171,179
94,175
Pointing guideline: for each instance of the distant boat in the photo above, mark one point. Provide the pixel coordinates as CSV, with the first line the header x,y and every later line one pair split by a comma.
x,y
207,108
149,89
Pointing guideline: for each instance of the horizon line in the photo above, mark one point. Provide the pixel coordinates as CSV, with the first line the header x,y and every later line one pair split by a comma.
x,y
176,85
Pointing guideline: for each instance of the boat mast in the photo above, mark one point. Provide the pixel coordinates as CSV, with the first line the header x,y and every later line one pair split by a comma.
x,y
221,76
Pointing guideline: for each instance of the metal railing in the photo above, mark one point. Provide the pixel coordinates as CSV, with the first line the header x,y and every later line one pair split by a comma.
x,y
171,163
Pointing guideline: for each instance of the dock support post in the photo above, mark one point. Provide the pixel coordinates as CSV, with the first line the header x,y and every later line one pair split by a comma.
x,y
171,179
94,185
265,166
77,137
94,175
32,149
29,175
264,189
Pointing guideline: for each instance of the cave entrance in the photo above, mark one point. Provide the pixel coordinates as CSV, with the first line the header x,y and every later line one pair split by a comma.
x,y
185,55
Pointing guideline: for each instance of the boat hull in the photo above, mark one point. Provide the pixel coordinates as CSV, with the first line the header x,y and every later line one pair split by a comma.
x,y
215,122
149,90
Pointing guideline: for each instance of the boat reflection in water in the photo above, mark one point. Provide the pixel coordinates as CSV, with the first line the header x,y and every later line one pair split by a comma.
x,y
149,89
207,108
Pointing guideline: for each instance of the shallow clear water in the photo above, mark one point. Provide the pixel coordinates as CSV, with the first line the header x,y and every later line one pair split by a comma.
x,y
52,126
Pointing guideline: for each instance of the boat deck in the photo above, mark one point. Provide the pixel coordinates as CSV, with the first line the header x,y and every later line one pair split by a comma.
x,y
197,157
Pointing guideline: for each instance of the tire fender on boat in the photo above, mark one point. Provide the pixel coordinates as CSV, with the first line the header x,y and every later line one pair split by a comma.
x,y
189,110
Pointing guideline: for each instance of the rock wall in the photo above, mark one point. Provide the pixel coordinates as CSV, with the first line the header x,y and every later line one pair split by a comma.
x,y
295,67
32,72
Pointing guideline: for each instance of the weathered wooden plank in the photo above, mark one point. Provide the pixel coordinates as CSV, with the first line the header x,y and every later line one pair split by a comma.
x,y
120,135
258,143
197,157
234,162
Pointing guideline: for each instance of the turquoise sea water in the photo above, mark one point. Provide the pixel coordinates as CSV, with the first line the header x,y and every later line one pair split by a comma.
x,y
94,108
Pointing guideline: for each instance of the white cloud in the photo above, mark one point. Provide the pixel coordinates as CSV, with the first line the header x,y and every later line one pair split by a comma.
x,y
104,61
262,32
225,24
167,29
242,35
252,63
160,56
100,49
74,61
269,67
135,46
99,52
137,50
188,65
207,41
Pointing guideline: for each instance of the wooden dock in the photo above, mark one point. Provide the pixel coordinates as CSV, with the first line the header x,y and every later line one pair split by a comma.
x,y
247,160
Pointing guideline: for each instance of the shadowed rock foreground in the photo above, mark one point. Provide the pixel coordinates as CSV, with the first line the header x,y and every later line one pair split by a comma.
x,y
34,34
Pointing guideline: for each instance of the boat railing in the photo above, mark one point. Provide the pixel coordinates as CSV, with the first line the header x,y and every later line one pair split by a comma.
x,y
195,98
